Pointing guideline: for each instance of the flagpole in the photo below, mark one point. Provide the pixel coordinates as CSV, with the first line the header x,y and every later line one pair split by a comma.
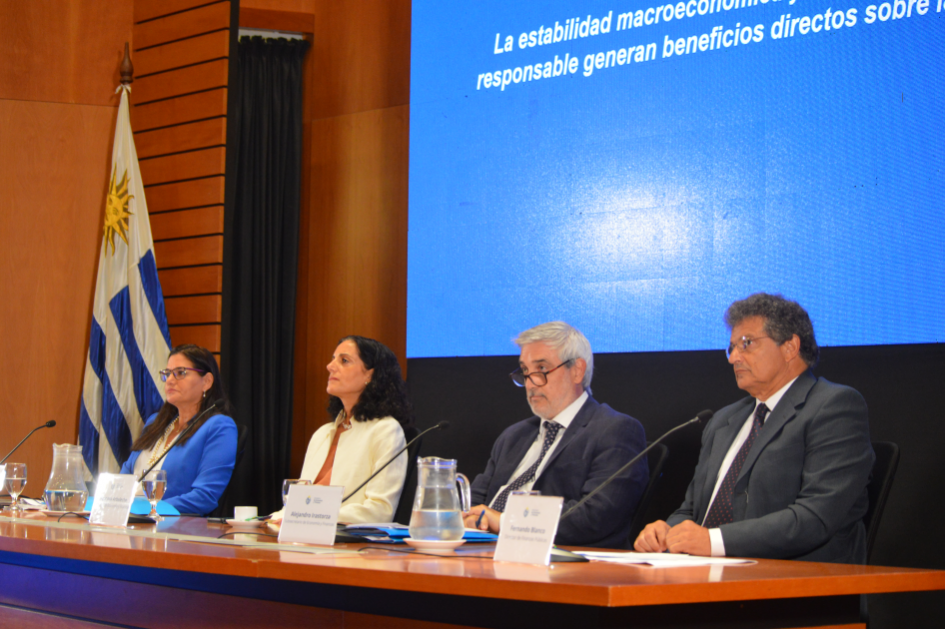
x,y
129,340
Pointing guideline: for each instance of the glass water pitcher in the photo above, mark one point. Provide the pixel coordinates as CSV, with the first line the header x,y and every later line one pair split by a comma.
x,y
66,489
442,497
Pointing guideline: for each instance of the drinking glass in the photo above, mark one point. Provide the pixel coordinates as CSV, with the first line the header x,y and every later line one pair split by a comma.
x,y
154,485
14,480
288,483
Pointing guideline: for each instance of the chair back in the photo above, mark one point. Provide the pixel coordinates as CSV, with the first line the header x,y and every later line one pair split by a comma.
x,y
656,459
242,434
405,506
881,480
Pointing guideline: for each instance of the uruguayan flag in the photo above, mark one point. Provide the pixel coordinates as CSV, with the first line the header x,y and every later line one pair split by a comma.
x,y
129,340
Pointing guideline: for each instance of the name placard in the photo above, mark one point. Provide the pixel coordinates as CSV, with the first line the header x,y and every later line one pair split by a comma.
x,y
311,514
528,529
114,494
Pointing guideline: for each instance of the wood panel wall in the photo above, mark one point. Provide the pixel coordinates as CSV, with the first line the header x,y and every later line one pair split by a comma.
x,y
181,58
58,73
293,16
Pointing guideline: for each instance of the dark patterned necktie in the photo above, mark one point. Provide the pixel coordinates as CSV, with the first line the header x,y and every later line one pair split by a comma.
x,y
721,511
551,431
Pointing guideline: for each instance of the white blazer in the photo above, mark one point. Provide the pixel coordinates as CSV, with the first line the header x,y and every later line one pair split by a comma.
x,y
361,451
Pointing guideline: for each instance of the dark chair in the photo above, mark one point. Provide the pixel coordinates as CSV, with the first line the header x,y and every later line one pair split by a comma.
x,y
656,459
242,434
884,471
881,480
405,506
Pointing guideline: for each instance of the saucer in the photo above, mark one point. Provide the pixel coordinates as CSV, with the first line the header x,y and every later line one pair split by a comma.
x,y
434,544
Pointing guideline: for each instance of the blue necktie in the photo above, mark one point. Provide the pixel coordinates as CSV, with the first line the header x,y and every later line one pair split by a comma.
x,y
551,431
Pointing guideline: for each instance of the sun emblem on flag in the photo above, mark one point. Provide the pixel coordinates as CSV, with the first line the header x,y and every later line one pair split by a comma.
x,y
116,210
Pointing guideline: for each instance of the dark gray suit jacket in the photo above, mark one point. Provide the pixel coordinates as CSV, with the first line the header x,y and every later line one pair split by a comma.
x,y
596,444
801,493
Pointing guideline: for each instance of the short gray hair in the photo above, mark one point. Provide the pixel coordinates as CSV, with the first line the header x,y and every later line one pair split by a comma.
x,y
564,339
783,319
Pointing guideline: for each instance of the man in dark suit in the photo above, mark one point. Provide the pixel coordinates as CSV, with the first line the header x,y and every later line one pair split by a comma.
x,y
570,447
781,474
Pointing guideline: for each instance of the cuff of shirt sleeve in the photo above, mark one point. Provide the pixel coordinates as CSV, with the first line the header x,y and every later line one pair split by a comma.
x,y
718,546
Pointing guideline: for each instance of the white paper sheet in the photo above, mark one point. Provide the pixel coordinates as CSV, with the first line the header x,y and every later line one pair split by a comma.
x,y
663,560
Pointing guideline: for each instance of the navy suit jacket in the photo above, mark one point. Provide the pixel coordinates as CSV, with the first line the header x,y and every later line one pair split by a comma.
x,y
596,444
801,493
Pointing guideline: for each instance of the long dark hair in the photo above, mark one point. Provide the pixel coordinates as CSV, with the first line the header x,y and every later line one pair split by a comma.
x,y
386,394
203,360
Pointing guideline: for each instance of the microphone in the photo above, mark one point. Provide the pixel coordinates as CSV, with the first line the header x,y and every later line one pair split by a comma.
x,y
705,415
49,424
443,425
183,434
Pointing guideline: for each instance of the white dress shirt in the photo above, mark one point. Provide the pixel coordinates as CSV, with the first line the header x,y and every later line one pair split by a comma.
x,y
564,418
715,535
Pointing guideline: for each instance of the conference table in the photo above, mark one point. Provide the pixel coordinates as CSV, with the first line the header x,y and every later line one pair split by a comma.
x,y
189,572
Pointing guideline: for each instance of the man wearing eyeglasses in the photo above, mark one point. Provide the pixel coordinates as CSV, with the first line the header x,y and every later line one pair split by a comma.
x,y
782,474
570,447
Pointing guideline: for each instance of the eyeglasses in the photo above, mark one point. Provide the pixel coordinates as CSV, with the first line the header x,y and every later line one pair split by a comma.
x,y
538,378
179,372
743,344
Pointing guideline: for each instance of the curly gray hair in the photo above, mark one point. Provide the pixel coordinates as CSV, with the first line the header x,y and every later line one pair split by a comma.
x,y
783,319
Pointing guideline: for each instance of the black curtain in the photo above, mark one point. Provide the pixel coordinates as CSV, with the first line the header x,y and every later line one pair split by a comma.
x,y
260,261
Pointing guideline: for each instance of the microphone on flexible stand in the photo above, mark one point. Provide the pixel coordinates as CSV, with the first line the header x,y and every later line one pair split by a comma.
x,y
49,424
183,434
705,415
441,426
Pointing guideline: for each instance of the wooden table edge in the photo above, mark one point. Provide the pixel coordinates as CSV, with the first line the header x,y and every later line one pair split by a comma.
x,y
595,595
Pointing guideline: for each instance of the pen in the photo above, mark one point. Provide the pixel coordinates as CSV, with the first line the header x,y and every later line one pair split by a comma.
x,y
479,521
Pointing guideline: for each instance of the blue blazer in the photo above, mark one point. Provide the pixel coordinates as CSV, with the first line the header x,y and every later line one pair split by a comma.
x,y
596,444
801,493
198,471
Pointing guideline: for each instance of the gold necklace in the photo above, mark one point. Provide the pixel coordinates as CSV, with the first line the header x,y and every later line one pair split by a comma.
x,y
161,446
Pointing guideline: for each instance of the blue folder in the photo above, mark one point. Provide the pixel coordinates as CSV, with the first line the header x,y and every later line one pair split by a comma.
x,y
396,535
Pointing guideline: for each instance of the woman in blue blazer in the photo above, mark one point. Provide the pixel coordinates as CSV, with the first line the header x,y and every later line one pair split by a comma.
x,y
200,465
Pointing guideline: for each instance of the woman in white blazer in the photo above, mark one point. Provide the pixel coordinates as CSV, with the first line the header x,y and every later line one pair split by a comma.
x,y
368,403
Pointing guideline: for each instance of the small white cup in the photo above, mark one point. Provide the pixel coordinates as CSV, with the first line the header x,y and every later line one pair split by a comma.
x,y
244,513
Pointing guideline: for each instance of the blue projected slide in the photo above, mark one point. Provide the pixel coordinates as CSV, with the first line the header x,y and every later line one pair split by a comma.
x,y
633,167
